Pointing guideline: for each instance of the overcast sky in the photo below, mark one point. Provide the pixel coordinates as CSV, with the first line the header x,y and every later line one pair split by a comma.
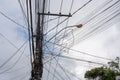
x,y
103,43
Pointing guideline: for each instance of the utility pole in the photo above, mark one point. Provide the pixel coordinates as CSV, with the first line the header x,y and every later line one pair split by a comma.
x,y
38,63
37,66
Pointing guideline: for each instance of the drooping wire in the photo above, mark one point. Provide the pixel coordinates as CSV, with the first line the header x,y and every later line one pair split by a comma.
x,y
23,11
81,7
49,67
63,70
62,43
67,19
12,20
57,62
23,74
105,10
66,71
51,73
65,31
76,59
30,33
15,63
62,78
31,23
61,5
81,52
3,64
94,13
98,27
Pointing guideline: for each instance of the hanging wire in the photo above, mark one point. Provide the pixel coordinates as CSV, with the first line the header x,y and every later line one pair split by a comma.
x,y
12,20
15,53
15,63
81,52
105,10
23,10
68,17
58,64
99,26
51,73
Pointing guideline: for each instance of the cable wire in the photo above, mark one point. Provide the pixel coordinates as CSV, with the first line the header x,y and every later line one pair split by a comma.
x,y
16,62
12,20
3,64
81,52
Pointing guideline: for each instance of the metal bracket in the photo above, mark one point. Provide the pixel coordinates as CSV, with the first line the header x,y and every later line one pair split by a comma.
x,y
51,14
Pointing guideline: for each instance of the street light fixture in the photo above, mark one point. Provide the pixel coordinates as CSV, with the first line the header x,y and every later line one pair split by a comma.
x,y
79,26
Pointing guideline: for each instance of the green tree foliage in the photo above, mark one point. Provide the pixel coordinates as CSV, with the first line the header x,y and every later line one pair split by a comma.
x,y
114,65
104,73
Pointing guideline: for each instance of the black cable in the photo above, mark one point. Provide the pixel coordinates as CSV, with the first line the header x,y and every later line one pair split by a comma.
x,y
23,78
66,71
68,17
58,64
62,41
47,21
63,70
22,9
61,5
101,25
3,64
31,26
55,75
16,62
8,41
12,20
65,20
81,52
51,20
18,69
51,73
76,59
81,7
29,35
64,34
16,77
59,33
100,13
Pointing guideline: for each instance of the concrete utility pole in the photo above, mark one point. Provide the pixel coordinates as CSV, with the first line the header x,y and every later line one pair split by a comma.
x,y
38,63
37,66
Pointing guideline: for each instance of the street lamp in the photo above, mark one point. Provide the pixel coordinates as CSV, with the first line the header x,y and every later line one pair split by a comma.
x,y
78,26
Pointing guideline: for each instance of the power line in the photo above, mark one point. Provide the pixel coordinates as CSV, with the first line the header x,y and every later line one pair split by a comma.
x,y
81,7
23,11
3,64
14,63
31,22
58,64
29,35
81,52
51,73
61,5
70,72
101,25
63,70
92,17
12,20
72,15
76,59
